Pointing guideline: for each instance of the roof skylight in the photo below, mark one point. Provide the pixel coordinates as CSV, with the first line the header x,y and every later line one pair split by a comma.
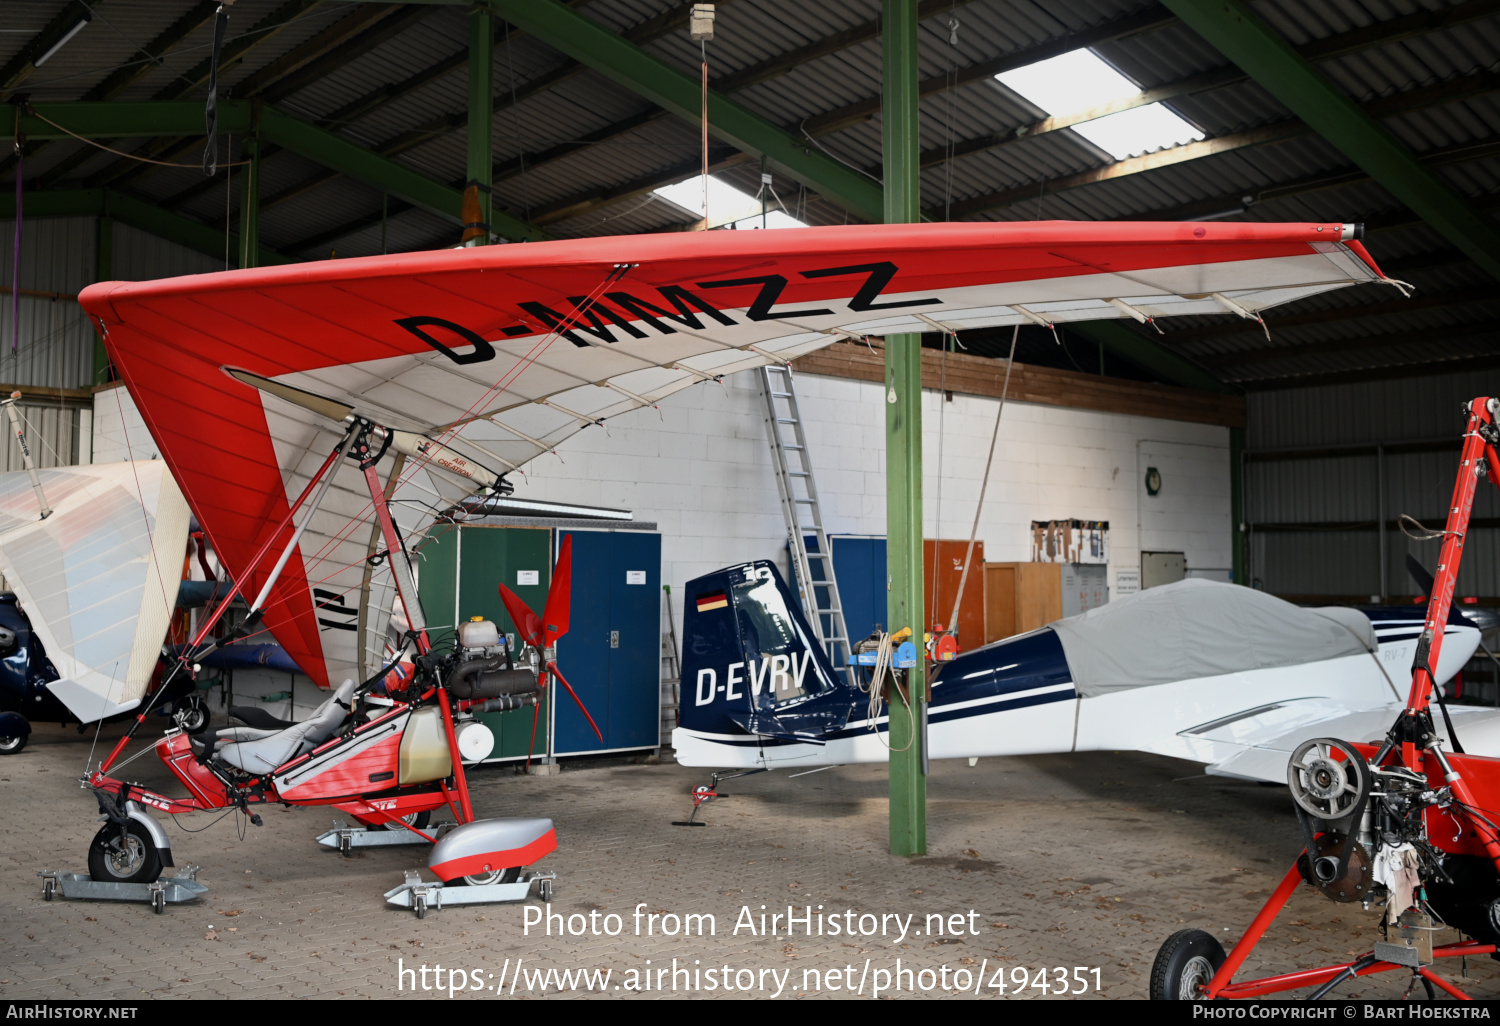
x,y
1079,80
728,207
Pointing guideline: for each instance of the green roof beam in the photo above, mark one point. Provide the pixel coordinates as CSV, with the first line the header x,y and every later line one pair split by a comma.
x,y
1277,67
590,43
99,119
185,118
138,213
357,162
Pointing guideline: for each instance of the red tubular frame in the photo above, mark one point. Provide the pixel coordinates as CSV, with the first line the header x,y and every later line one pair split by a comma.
x,y
218,612
1478,456
462,809
395,550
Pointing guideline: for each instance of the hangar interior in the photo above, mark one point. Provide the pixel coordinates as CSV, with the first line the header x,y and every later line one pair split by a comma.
x,y
1276,454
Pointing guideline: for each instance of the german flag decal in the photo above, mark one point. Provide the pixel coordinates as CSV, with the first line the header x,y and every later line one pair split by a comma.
x,y
713,600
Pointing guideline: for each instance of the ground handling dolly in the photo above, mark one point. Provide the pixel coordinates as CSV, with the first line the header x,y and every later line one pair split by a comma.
x,y
81,887
419,895
481,862
346,838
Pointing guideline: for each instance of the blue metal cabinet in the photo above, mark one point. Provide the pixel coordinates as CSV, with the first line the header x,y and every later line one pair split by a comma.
x,y
859,565
611,654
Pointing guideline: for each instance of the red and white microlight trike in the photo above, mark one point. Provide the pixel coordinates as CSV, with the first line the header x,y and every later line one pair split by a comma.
x,y
390,766
1397,823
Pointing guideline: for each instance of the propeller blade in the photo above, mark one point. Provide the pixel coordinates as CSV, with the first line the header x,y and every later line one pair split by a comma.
x,y
521,615
1419,574
560,595
552,669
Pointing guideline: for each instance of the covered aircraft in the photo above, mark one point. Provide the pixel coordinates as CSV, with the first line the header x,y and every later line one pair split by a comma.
x,y
1214,673
473,362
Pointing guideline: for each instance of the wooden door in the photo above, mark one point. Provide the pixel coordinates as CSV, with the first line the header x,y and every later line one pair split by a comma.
x,y
942,564
999,601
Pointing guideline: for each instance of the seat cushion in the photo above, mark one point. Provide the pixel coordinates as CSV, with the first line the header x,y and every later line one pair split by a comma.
x,y
260,755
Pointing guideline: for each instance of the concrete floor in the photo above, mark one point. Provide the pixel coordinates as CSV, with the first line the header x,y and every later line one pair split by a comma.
x,y
1086,861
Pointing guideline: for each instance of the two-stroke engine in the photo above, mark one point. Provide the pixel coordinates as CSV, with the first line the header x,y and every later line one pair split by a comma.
x,y
1380,833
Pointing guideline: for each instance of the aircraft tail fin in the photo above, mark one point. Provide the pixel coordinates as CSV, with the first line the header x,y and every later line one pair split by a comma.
x,y
753,665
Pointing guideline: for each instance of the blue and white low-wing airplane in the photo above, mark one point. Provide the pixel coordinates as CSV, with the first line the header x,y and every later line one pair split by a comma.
x,y
1217,674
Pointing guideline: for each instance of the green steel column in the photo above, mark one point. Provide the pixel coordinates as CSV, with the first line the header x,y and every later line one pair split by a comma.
x,y
104,248
481,109
250,205
903,436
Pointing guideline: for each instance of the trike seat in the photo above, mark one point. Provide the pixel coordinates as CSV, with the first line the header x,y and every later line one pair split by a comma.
x,y
261,751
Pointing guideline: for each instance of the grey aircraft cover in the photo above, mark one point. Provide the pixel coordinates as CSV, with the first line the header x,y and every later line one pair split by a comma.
x,y
1198,628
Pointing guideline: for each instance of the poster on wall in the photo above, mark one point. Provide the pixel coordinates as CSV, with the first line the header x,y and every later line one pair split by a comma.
x,y
1127,582
1070,541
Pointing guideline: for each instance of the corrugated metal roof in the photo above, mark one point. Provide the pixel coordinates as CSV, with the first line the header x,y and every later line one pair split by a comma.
x,y
582,165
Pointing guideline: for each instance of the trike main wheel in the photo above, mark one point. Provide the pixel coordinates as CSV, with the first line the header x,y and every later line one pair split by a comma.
x,y
498,876
1185,965
418,820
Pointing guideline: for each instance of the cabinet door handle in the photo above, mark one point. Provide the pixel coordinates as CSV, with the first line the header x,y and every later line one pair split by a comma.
x,y
614,639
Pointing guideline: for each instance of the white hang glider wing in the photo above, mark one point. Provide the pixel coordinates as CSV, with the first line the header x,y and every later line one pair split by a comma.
x,y
98,577
503,352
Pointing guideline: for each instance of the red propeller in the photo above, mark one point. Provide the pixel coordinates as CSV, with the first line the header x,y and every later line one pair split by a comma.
x,y
542,633
560,595
527,623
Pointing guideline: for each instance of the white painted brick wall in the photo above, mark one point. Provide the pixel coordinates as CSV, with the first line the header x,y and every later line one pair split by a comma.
x,y
712,491
700,467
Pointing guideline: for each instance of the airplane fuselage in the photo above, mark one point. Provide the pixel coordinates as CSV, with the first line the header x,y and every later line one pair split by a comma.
x,y
1018,697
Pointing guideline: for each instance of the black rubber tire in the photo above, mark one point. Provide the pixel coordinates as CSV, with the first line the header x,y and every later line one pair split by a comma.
x,y
505,876
13,744
1188,959
191,714
143,864
419,820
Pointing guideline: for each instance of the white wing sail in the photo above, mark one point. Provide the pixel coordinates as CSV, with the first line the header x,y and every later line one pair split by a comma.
x,y
98,578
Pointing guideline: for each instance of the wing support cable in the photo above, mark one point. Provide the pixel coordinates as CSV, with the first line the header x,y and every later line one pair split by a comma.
x,y
190,651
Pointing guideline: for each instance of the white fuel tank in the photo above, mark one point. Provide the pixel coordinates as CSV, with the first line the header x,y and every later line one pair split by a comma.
x,y
424,748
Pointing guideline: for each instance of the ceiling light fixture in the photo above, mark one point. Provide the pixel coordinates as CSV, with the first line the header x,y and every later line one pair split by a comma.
x,y
44,58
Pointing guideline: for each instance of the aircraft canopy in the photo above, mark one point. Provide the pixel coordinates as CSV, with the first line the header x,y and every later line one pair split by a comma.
x,y
1198,628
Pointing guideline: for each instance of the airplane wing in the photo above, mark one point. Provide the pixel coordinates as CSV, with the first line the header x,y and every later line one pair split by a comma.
x,y
1256,744
503,352
98,578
